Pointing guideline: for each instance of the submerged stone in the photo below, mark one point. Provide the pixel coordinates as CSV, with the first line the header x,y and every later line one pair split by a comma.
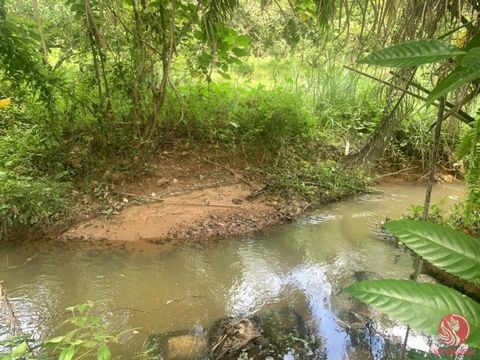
x,y
176,346
185,347
366,275
279,327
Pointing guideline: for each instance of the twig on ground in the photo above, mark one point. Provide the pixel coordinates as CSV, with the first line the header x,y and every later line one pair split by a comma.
x,y
196,188
228,169
169,201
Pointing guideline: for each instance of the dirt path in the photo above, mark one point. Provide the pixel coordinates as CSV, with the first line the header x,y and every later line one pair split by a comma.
x,y
189,198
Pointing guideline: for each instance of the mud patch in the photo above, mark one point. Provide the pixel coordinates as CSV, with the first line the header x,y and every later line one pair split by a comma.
x,y
203,214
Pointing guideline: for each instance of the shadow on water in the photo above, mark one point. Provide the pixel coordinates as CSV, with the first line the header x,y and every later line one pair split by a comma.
x,y
303,267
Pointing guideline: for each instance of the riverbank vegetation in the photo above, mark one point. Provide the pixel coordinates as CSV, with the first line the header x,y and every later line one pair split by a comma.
x,y
95,88
93,91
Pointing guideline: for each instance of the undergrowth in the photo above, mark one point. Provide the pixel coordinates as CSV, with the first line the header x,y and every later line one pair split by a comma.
x,y
454,217
293,133
316,182
246,119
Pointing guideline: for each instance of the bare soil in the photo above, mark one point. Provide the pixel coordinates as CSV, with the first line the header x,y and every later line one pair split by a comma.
x,y
190,197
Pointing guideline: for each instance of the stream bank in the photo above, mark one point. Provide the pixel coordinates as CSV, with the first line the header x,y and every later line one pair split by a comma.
x,y
193,196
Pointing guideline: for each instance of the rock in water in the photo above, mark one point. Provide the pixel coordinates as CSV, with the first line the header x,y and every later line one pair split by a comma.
x,y
281,326
272,333
237,335
366,275
185,347
175,346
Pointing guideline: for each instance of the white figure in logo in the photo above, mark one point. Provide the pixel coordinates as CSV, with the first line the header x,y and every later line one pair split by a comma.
x,y
449,332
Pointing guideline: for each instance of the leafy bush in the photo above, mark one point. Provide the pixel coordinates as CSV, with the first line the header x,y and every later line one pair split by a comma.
x,y
87,337
251,119
317,182
22,150
454,218
26,201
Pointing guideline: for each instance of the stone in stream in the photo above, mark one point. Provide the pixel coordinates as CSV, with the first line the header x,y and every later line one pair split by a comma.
x,y
273,333
366,275
267,334
176,346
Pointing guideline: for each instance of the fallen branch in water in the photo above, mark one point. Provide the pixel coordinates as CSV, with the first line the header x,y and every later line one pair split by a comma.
x,y
13,323
25,263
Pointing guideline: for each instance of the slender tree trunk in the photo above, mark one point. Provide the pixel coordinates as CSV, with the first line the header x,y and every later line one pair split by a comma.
x,y
168,38
434,157
394,112
139,53
99,44
40,31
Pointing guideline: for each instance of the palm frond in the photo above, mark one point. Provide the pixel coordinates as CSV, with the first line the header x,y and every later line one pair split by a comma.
x,y
217,12
326,11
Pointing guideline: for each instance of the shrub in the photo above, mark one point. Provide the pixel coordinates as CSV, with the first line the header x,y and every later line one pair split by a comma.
x,y
26,202
251,119
317,182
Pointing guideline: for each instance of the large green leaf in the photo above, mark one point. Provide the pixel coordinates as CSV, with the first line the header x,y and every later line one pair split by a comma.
x,y
448,249
452,81
412,53
421,306
467,71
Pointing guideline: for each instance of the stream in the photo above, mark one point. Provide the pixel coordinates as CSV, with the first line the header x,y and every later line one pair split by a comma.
x,y
303,266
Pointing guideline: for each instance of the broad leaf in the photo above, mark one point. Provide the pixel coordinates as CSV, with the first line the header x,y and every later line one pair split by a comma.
x,y
448,249
103,353
55,340
421,306
67,353
19,351
468,71
452,81
412,53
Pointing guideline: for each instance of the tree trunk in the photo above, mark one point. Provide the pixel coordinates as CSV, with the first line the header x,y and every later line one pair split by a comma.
x,y
167,29
40,31
139,64
434,157
97,45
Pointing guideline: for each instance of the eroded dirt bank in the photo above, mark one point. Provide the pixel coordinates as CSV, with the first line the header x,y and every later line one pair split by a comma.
x,y
190,197
193,196
217,211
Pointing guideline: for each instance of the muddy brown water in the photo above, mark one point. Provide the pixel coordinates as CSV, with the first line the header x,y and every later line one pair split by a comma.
x,y
303,265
